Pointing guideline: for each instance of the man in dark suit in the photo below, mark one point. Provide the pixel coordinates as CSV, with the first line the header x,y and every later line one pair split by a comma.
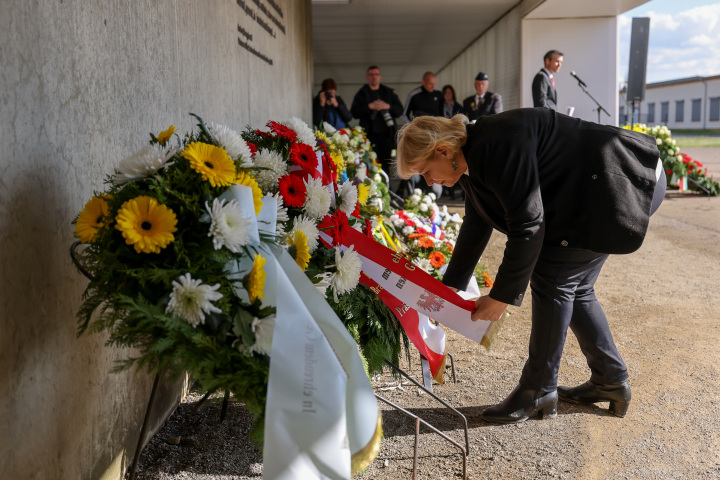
x,y
543,86
483,103
562,218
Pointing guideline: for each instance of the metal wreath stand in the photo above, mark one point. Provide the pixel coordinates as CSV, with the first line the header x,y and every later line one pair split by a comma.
x,y
427,388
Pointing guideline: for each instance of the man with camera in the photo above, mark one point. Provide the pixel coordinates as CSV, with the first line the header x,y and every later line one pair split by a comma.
x,y
377,106
330,108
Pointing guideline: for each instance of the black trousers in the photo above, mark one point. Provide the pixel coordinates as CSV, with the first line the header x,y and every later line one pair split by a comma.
x,y
563,295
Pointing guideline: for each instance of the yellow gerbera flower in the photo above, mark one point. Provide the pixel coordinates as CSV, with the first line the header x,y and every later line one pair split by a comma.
x,y
339,161
321,136
248,180
299,248
363,193
166,135
256,279
90,219
213,163
146,225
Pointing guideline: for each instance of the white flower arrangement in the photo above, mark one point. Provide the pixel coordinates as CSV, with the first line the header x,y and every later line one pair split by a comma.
x,y
348,194
191,300
145,162
274,167
317,201
232,142
230,227
347,273
304,133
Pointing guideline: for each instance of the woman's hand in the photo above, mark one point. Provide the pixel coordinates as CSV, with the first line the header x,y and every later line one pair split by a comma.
x,y
487,308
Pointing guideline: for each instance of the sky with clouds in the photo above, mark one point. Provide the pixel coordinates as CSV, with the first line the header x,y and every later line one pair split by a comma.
x,y
684,39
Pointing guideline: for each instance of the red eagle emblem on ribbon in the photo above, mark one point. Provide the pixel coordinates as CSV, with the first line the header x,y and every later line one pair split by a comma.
x,y
431,302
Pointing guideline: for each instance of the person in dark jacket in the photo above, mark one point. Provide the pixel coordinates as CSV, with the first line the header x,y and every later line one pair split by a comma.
x,y
377,106
450,106
522,175
483,103
329,107
543,86
426,100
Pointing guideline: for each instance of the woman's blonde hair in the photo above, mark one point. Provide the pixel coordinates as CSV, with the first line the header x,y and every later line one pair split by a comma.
x,y
417,141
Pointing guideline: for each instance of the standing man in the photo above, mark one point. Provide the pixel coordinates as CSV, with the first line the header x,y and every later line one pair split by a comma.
x,y
543,86
425,100
376,106
483,103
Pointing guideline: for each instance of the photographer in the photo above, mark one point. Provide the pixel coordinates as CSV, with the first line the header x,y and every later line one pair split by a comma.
x,y
377,106
328,107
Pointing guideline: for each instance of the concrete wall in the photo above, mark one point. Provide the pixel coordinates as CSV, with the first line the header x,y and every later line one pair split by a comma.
x,y
496,53
81,85
590,47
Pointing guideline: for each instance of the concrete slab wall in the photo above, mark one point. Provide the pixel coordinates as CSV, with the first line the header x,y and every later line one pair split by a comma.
x,y
590,47
81,86
496,53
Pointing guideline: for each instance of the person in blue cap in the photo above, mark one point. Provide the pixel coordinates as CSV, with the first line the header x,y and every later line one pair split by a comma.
x,y
483,103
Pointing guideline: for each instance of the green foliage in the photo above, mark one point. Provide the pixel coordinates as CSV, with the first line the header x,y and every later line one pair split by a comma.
x,y
373,326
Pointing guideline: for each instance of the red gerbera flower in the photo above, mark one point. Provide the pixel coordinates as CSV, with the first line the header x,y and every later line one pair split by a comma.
x,y
368,228
437,259
282,131
304,156
263,134
335,225
293,190
253,148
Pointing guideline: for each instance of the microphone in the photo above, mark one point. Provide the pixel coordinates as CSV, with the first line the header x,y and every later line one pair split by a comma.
x,y
583,84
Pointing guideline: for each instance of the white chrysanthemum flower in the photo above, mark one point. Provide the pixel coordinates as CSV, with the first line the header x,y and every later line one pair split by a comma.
x,y
348,197
426,199
361,173
407,230
424,207
263,330
347,273
329,129
232,142
191,299
230,225
424,264
304,133
317,201
324,282
309,228
143,163
414,199
276,168
398,222
444,209
350,156
658,141
443,224
432,196
339,139
372,156
417,191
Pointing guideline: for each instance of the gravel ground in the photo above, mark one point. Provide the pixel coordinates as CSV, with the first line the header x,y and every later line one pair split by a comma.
x,y
662,303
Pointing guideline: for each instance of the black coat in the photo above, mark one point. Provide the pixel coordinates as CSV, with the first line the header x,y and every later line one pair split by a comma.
x,y
546,179
491,104
544,94
371,120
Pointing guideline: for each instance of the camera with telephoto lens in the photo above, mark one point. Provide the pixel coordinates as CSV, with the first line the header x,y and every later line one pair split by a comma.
x,y
388,118
329,95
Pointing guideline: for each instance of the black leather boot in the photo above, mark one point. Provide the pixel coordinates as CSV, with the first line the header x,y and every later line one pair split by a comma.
x,y
522,404
618,394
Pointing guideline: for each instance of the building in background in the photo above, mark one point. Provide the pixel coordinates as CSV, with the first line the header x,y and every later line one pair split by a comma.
x,y
691,103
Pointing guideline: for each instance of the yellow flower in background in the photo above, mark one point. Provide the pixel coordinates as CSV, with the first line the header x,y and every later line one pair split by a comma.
x,y
166,135
299,248
256,279
248,180
213,163
90,219
146,225
321,136
339,161
363,193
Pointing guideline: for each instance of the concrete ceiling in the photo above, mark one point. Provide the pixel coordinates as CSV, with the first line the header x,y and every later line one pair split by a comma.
x,y
408,37
403,37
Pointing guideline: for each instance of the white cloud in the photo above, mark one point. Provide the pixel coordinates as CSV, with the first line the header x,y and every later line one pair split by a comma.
x,y
684,44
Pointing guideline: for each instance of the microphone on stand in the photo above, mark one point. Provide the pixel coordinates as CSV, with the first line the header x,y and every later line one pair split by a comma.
x,y
578,79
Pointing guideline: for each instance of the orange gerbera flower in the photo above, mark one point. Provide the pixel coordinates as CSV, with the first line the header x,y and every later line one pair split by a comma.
x,y
437,259
488,281
425,242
